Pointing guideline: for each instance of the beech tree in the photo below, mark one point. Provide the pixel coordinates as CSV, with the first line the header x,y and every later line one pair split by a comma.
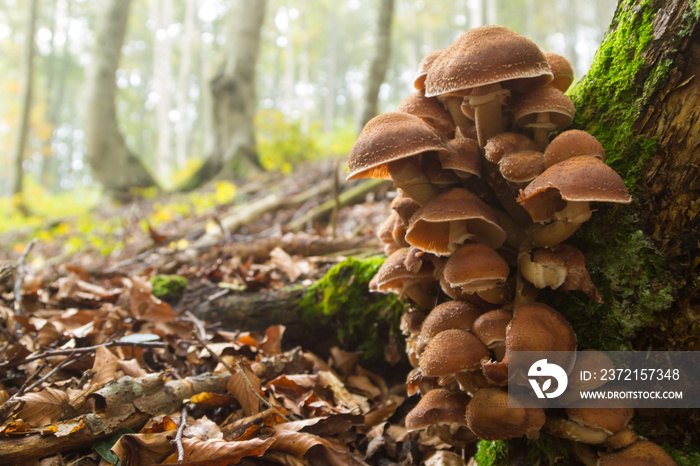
x,y
113,164
234,98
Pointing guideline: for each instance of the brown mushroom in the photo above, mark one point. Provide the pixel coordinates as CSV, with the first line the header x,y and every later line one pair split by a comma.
x,y
483,65
522,166
561,196
490,417
448,315
506,143
562,71
464,157
562,265
450,219
404,206
392,234
430,110
475,267
442,412
572,143
389,147
455,354
543,110
423,67
490,328
393,277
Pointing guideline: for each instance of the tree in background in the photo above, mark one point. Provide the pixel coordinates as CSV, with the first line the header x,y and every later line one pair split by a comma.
x,y
234,98
114,166
380,62
23,128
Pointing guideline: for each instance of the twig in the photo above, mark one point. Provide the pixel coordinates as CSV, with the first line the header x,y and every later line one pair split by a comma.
x,y
178,437
20,277
86,349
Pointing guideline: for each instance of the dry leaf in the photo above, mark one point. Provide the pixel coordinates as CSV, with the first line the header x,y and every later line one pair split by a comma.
x,y
299,444
144,305
105,367
209,400
292,267
144,449
219,452
245,394
42,408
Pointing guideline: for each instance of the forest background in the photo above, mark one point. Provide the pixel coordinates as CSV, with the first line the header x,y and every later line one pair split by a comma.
x,y
312,76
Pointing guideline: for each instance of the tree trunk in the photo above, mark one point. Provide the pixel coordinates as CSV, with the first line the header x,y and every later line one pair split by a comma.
x,y
380,62
23,127
234,99
114,166
163,80
183,84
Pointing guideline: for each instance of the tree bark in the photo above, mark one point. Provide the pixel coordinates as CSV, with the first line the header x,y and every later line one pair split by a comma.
x,y
115,167
657,102
380,62
163,81
23,127
234,99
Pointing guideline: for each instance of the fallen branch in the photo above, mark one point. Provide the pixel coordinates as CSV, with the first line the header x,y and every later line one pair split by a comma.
x,y
350,196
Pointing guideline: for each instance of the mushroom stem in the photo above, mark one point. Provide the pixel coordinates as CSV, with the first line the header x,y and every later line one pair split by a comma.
x,y
487,102
410,179
458,234
541,129
540,275
565,223
453,104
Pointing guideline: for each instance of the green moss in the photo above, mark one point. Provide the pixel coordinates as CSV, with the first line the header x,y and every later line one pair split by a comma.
x,y
341,299
168,287
546,450
632,277
611,98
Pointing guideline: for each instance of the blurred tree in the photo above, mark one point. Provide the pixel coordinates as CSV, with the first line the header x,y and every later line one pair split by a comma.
x,y
380,62
23,127
234,98
112,163
163,85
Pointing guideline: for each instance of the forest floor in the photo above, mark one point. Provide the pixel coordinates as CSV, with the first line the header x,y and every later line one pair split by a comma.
x,y
197,392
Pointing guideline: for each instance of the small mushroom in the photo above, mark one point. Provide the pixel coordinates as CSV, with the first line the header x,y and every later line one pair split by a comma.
x,y
442,412
389,147
589,425
563,265
490,328
394,277
464,157
572,143
452,218
544,110
423,67
392,234
430,110
561,196
404,206
446,316
482,65
506,143
522,166
455,354
562,71
475,267
411,322
586,360
490,417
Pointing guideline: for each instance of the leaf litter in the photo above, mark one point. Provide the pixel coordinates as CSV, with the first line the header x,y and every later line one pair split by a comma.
x,y
97,369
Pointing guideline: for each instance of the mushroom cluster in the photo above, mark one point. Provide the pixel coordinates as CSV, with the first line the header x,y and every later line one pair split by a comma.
x,y
485,200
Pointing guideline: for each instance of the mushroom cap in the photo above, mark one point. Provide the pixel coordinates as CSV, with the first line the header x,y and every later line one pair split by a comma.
x,y
491,326
393,273
641,453
438,406
412,321
452,351
437,175
389,137
543,100
423,67
475,267
490,418
503,144
429,227
562,71
428,109
571,143
583,178
487,55
610,420
574,263
449,315
464,157
404,206
521,166
538,327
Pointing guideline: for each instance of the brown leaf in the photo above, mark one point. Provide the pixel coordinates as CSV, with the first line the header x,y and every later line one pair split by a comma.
x,y
163,425
272,344
105,367
219,452
300,443
144,305
144,449
245,394
42,408
209,400
292,267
